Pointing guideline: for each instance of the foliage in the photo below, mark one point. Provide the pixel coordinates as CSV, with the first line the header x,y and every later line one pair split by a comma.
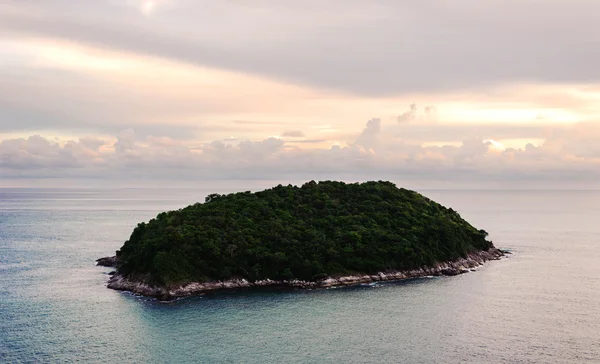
x,y
307,232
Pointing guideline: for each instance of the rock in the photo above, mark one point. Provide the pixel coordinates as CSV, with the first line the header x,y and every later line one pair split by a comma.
x,y
137,285
108,261
450,272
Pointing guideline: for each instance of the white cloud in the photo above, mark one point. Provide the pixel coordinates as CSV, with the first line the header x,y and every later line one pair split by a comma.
x,y
370,135
571,152
293,134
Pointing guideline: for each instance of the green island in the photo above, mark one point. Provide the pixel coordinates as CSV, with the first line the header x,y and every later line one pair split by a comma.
x,y
315,235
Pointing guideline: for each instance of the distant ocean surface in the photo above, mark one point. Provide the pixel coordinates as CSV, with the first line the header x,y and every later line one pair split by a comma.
x,y
541,305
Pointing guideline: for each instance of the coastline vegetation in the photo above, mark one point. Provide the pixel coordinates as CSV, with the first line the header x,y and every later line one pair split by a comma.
x,y
289,232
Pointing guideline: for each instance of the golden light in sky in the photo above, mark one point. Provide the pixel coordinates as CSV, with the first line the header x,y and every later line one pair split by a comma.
x,y
495,145
147,7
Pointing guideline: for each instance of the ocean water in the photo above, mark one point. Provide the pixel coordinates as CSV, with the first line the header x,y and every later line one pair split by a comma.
x,y
541,305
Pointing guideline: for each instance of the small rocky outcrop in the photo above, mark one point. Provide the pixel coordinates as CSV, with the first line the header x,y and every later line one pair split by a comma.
x,y
108,261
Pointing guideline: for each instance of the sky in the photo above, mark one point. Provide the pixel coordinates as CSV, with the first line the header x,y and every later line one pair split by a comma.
x,y
431,92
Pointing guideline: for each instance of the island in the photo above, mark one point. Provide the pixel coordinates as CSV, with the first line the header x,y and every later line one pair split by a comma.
x,y
320,234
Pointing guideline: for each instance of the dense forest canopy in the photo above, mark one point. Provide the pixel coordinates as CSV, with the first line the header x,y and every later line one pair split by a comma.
x,y
289,232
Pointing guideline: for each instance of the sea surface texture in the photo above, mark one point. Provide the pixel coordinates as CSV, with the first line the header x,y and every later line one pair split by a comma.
x,y
541,305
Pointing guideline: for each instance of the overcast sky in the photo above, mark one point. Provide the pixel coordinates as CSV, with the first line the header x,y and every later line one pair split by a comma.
x,y
443,91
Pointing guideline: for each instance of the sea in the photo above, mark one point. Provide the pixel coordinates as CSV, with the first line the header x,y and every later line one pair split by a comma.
x,y
539,305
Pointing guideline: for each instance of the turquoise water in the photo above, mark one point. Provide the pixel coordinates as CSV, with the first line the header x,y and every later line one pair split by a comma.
x,y
539,306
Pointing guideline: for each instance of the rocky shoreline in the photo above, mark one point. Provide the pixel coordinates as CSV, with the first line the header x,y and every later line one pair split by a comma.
x,y
107,261
452,268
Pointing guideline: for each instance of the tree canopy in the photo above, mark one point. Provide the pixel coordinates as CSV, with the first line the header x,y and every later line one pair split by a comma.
x,y
289,232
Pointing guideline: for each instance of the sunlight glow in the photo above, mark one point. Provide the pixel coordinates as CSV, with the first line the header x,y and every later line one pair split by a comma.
x,y
148,7
495,146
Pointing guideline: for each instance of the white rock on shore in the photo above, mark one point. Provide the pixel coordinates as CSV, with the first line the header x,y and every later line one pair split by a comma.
x,y
459,266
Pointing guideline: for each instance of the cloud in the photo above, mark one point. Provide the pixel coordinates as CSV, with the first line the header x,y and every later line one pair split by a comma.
x,y
306,141
472,149
379,48
91,143
125,143
293,134
429,115
37,153
375,154
370,134
152,95
409,115
92,91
